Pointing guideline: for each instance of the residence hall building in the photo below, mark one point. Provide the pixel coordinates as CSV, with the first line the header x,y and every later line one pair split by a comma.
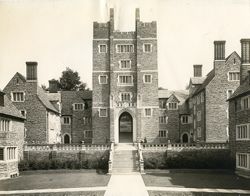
x,y
125,83
239,115
207,105
42,123
11,137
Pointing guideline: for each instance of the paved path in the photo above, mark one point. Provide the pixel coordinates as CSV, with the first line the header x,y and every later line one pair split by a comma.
x,y
126,185
54,190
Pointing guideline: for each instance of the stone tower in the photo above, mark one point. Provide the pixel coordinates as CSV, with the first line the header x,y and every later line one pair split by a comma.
x,y
125,83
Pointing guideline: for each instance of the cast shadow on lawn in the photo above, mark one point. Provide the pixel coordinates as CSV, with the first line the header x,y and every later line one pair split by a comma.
x,y
197,179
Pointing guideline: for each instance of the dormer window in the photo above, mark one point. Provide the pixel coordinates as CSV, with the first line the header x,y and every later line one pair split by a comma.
x,y
172,106
78,106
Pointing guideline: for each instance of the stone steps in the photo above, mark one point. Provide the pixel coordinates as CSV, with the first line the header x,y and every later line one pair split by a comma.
x,y
125,159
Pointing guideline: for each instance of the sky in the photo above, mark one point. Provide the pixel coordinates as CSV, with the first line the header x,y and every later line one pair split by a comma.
x,y
58,34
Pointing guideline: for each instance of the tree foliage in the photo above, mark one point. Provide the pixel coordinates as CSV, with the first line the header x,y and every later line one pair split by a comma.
x,y
70,80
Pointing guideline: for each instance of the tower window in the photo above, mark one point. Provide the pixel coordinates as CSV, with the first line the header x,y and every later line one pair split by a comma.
x,y
148,112
125,64
124,48
125,96
147,78
125,80
102,48
147,47
103,79
103,112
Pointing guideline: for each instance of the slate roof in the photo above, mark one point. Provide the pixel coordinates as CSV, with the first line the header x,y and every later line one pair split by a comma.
x,y
197,80
181,95
9,109
243,89
70,97
43,97
209,77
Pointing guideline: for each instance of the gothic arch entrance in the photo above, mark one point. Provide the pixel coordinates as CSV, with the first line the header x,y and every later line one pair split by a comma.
x,y
185,138
125,128
66,139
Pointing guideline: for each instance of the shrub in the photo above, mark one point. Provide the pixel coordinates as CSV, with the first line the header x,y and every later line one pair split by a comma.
x,y
90,161
23,165
195,159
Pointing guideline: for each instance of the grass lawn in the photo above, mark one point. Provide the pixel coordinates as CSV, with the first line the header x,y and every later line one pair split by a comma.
x,y
55,179
160,193
197,179
81,193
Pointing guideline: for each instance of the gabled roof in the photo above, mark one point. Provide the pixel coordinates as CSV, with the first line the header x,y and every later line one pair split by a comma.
x,y
20,76
173,98
70,97
209,77
41,94
243,89
233,53
10,110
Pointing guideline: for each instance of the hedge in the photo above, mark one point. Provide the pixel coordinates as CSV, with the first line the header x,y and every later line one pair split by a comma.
x,y
196,159
92,162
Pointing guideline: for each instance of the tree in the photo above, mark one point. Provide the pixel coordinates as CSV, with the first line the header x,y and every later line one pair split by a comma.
x,y
70,80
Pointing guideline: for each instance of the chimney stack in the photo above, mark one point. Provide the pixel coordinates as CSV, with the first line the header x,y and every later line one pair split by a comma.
x,y
137,14
2,94
219,50
245,59
197,70
31,71
53,86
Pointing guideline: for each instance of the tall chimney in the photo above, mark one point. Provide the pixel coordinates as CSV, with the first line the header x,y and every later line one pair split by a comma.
x,y
2,94
31,71
197,70
111,19
137,14
53,86
245,59
219,50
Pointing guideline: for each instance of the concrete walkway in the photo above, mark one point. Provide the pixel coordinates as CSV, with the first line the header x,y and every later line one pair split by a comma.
x,y
126,185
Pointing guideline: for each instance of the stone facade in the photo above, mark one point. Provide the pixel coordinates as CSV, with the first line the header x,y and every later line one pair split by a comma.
x,y
118,47
209,107
11,138
42,117
78,127
239,117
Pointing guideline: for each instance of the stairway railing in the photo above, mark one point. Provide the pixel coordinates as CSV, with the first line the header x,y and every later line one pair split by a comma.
x,y
111,156
141,161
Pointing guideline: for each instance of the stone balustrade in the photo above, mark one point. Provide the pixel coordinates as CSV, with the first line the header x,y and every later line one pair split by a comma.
x,y
65,147
181,146
111,157
141,161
